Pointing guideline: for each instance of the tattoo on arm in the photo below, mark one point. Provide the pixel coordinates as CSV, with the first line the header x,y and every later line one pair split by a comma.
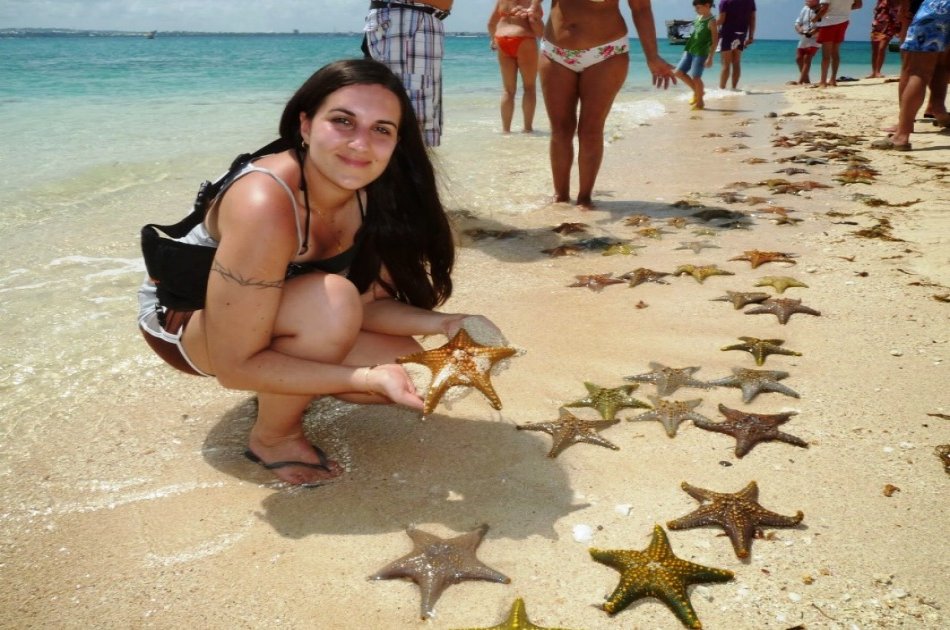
x,y
227,274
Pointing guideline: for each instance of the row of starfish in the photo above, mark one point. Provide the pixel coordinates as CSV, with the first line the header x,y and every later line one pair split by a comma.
x,y
435,563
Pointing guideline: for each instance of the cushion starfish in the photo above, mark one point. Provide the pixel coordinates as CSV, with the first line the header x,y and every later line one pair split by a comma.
x,y
622,249
642,274
779,283
742,298
569,429
761,348
751,428
563,250
783,308
570,228
672,412
696,246
657,572
595,282
667,379
517,620
461,362
739,514
700,273
756,257
436,563
608,402
754,382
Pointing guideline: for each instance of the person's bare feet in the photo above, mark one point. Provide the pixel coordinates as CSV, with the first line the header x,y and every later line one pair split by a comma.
x,y
270,450
585,203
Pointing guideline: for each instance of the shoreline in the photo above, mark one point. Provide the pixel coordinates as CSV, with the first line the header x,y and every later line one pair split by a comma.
x,y
155,519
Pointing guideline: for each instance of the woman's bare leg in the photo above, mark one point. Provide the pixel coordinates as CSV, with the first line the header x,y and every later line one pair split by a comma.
x,y
599,85
528,66
560,88
509,84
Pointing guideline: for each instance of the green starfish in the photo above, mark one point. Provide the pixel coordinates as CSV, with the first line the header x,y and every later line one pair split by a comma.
x,y
739,514
700,273
623,249
761,348
517,620
740,299
608,401
657,572
670,413
754,382
779,283
569,429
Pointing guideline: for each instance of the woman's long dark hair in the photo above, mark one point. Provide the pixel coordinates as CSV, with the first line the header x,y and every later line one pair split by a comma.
x,y
405,229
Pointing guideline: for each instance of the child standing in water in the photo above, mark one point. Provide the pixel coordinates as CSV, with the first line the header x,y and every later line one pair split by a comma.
x,y
698,54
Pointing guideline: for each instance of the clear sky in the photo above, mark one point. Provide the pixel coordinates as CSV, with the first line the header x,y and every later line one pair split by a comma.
x,y
774,16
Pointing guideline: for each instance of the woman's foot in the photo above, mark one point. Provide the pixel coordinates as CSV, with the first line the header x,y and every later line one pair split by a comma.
x,y
293,459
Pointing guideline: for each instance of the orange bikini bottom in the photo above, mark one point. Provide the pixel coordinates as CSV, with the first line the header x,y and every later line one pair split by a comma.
x,y
510,44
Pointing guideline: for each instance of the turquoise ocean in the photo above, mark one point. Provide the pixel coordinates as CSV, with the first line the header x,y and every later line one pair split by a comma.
x,y
103,134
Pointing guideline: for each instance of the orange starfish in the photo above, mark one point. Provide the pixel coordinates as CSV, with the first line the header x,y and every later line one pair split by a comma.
x,y
461,362
756,257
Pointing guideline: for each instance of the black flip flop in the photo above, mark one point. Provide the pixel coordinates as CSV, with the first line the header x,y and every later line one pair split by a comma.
x,y
321,455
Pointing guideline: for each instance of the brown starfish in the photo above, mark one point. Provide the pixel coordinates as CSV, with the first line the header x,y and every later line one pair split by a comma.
x,y
780,283
740,299
596,282
739,514
671,413
436,563
761,348
568,429
608,401
570,228
754,382
652,232
642,274
461,362
667,379
563,250
751,428
756,257
783,308
482,233
677,222
701,272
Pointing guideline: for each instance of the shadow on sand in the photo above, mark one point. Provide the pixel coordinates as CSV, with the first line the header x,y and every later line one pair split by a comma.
x,y
402,470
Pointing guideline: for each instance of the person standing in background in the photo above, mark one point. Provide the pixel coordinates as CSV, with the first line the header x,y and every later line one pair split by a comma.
x,y
807,44
409,38
699,52
885,24
584,62
736,33
833,19
514,30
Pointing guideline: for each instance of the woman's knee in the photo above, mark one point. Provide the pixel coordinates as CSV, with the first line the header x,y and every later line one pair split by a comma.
x,y
319,311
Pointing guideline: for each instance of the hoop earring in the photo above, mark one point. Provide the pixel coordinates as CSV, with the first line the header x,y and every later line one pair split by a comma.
x,y
304,145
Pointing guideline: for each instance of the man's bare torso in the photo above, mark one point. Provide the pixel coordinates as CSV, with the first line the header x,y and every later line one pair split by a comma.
x,y
582,24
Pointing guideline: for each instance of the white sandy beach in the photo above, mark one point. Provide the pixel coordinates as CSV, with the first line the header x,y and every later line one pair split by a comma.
x,y
140,512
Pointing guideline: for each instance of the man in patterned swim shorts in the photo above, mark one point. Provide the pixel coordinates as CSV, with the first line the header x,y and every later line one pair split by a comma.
x,y
409,38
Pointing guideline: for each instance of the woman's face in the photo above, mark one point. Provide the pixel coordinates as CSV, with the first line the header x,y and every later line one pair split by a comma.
x,y
353,134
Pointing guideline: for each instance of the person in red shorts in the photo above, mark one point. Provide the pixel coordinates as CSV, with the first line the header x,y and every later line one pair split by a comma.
x,y
833,18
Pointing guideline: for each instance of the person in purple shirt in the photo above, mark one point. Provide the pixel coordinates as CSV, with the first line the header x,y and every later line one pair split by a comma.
x,y
736,32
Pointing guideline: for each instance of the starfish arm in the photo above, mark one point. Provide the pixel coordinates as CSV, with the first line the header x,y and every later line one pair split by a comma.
x,y
781,389
703,516
772,519
790,439
700,494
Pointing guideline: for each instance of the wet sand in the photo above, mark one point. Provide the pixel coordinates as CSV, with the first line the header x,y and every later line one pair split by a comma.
x,y
139,511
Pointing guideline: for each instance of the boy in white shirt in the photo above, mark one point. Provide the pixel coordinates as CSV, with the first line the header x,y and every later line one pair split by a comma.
x,y
807,44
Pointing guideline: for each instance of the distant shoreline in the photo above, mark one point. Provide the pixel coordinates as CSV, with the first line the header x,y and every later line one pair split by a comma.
x,y
24,33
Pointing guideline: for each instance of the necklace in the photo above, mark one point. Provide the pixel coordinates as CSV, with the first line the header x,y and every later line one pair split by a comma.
x,y
322,215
